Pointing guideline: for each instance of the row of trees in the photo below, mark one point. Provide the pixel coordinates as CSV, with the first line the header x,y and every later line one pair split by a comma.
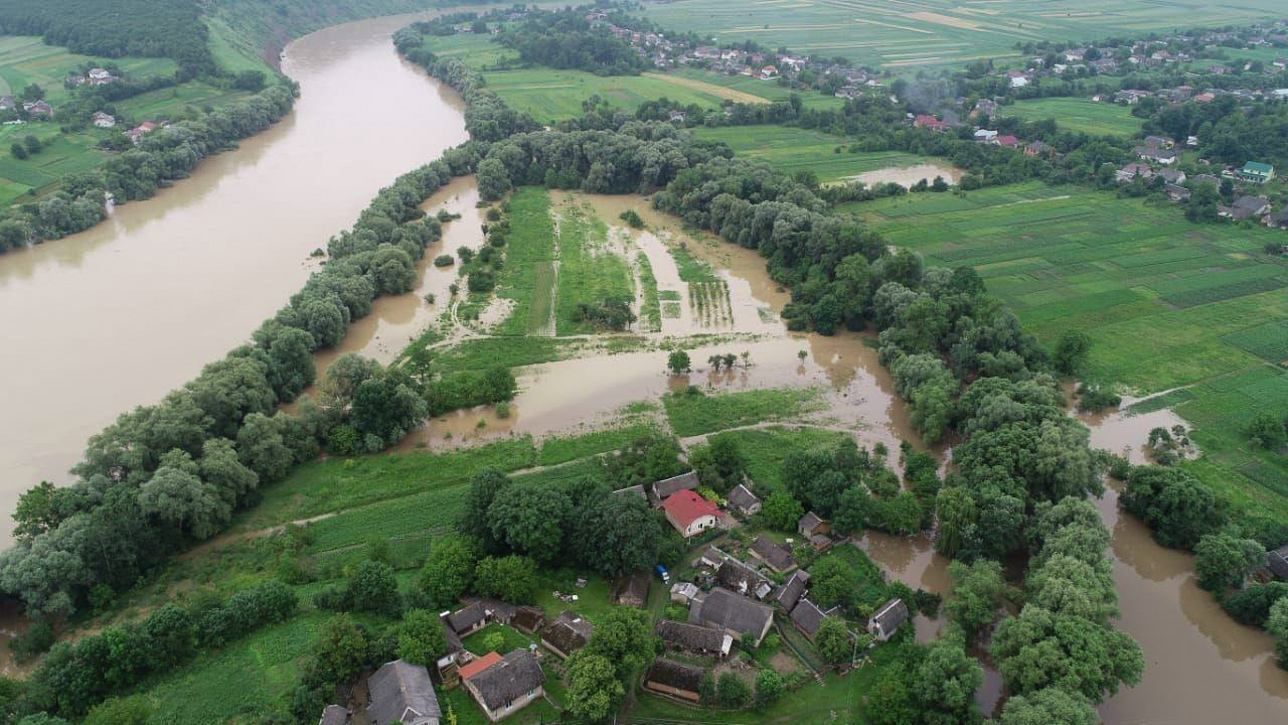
x,y
74,677
164,475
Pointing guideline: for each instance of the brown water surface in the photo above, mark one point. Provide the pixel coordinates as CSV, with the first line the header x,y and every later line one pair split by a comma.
x,y
118,315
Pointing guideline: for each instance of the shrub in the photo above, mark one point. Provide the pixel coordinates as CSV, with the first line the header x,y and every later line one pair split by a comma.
x,y
444,260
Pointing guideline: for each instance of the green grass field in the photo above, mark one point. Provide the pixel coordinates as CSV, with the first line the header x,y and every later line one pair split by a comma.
x,y
769,91
589,267
1078,114
529,272
1167,303
692,414
926,33
790,149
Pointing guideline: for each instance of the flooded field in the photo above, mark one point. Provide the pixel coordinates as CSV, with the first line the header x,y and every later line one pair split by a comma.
x,y
906,176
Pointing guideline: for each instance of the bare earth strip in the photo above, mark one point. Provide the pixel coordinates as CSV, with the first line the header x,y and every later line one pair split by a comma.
x,y
729,94
948,20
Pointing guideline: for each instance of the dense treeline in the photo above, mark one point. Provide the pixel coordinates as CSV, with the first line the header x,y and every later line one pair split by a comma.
x,y
564,39
161,157
114,28
1227,132
75,676
168,474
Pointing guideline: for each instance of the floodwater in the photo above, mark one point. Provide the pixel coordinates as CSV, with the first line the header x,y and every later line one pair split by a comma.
x,y
591,390
1200,665
117,316
906,176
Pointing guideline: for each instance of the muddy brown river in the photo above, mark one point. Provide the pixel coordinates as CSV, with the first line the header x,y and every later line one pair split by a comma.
x,y
119,315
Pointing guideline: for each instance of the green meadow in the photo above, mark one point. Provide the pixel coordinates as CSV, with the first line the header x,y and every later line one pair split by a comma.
x,y
1077,114
1168,304
917,34
790,149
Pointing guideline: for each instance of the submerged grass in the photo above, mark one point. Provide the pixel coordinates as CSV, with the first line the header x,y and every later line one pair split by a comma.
x,y
528,277
589,269
694,413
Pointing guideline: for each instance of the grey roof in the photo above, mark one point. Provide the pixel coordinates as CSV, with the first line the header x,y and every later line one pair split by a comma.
x,y
683,482
891,614
1277,562
463,619
632,590
727,610
637,490
674,674
334,715
517,674
742,498
775,555
793,589
809,521
568,633
528,619
402,692
738,577
808,617
1246,206
691,637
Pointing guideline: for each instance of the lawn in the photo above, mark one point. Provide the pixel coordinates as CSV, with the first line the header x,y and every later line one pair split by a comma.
x,y
694,413
917,34
790,149
1167,303
1078,114
766,90
765,450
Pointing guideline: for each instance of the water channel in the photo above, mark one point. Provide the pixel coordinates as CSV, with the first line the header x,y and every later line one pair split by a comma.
x,y
119,315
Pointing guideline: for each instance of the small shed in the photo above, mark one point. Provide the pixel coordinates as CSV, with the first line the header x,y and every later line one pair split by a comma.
x,y
528,619
1277,562
694,638
632,590
887,620
334,715
683,592
743,501
673,485
567,634
811,524
793,590
669,677
775,556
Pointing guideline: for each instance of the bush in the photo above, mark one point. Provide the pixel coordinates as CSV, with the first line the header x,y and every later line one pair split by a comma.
x,y
633,219
732,692
444,260
37,640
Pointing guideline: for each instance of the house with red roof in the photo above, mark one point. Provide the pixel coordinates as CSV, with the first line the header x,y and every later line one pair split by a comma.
x,y
926,120
1008,141
689,513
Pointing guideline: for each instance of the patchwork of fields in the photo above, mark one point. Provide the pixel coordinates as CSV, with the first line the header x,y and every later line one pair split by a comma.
x,y
1169,304
555,95
919,33
790,150
1077,114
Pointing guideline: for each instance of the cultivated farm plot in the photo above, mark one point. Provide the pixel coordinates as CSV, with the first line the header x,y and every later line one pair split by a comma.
x,y
926,33
790,149
1078,114
1167,303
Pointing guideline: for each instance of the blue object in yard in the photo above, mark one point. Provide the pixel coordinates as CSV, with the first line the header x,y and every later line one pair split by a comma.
x,y
662,573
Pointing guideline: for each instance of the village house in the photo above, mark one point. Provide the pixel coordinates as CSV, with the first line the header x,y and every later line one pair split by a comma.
x,y
636,490
887,620
99,77
985,108
1247,207
1006,141
140,131
693,639
675,679
984,135
467,620
506,685
1037,148
776,556
689,513
1132,171
1277,220
528,619
1176,192
670,486
400,692
737,576
1173,176
8,103
1131,96
743,618
334,715
1255,172
793,590
676,116
38,109
807,617
102,120
1205,97
927,121
567,634
684,592
811,524
1017,78
1165,157
768,73
1277,560
632,590
743,501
